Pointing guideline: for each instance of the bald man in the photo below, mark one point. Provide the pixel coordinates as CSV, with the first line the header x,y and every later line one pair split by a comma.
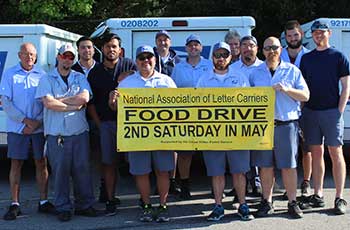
x,y
24,126
291,89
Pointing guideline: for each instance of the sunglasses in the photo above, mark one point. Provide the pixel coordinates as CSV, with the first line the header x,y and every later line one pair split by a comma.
x,y
144,57
65,57
273,47
219,55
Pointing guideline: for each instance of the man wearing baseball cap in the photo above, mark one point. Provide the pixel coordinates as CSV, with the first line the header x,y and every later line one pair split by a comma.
x,y
65,93
323,68
141,162
215,161
166,58
186,75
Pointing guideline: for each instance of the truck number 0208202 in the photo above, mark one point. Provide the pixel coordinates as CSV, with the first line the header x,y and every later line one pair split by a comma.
x,y
139,23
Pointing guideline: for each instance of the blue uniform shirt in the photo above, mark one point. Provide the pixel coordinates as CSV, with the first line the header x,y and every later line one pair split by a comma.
x,y
63,123
20,86
285,56
286,108
187,76
244,68
158,80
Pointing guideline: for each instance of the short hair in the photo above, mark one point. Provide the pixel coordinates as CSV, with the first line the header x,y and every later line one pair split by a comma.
x,y
84,38
291,25
232,34
110,36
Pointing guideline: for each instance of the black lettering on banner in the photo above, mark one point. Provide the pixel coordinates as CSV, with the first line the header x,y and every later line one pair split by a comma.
x,y
259,113
136,132
204,114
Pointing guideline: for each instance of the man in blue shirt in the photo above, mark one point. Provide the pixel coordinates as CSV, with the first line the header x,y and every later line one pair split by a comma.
x,y
323,69
24,125
65,93
290,87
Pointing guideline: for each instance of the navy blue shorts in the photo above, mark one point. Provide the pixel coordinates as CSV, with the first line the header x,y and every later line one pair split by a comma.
x,y
19,146
108,142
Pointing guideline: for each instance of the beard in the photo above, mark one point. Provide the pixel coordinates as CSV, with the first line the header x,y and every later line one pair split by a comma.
x,y
220,66
295,46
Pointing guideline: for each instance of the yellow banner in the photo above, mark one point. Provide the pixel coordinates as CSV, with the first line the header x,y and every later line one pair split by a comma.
x,y
195,119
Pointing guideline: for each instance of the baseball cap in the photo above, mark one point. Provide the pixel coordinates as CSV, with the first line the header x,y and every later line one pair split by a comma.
x,y
163,32
193,37
221,45
66,48
144,49
249,38
319,25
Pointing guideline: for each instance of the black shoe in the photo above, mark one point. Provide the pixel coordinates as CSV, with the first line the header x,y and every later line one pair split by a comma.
x,y
147,213
340,206
89,212
185,193
141,203
174,188
103,197
316,201
64,216
232,192
13,212
304,203
294,210
47,208
111,208
305,188
265,209
162,214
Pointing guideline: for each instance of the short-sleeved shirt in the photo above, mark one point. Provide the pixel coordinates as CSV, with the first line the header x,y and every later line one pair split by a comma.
x,y
103,81
20,87
82,69
245,68
286,108
157,80
63,123
285,56
322,71
234,78
186,75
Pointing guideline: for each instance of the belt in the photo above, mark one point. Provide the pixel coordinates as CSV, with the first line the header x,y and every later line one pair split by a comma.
x,y
278,122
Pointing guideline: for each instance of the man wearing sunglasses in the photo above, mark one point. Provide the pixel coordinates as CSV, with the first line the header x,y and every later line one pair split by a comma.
x,y
24,126
65,93
103,79
141,162
186,75
215,161
290,87
324,68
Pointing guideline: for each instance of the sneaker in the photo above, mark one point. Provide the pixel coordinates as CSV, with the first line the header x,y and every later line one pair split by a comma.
x,y
244,213
147,213
47,207
265,209
111,208
162,214
294,210
340,206
89,212
217,213
305,188
304,203
13,212
232,192
64,216
185,193
316,201
173,187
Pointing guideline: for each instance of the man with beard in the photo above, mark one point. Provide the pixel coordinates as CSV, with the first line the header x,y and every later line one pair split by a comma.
x,y
291,88
238,160
141,162
186,75
324,68
293,53
104,79
233,39
166,58
65,93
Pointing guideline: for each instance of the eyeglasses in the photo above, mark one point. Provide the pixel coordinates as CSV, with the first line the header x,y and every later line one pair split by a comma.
x,y
252,46
144,57
67,57
219,55
273,47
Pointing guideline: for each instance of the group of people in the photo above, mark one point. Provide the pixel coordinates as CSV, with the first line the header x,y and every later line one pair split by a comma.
x,y
53,107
